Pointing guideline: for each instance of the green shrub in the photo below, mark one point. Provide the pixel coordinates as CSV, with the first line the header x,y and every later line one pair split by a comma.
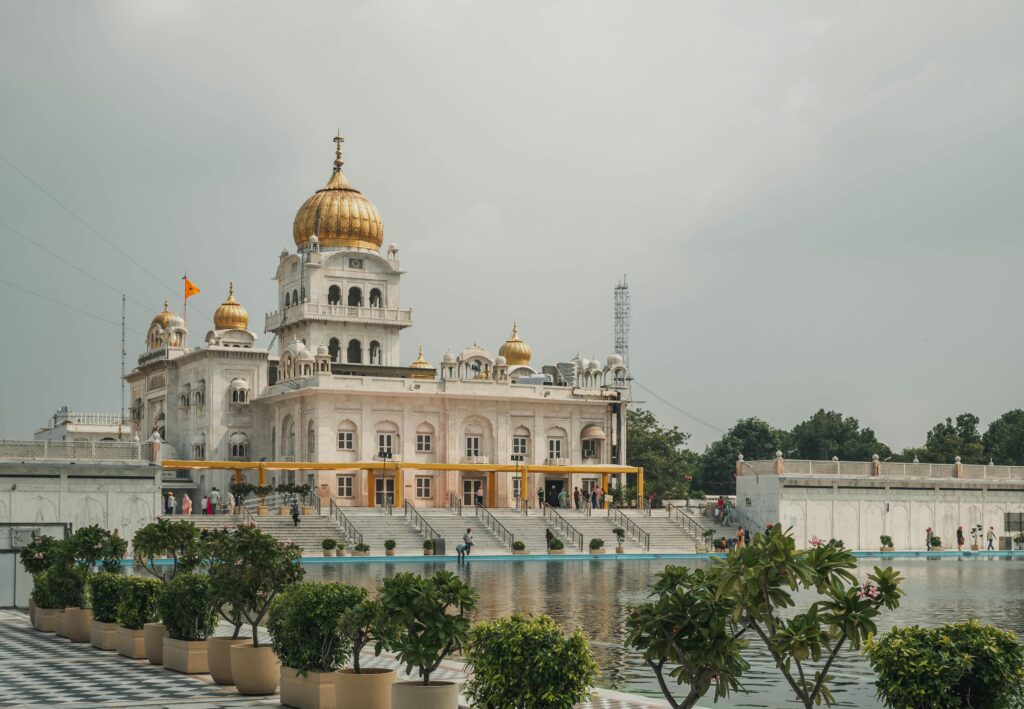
x,y
389,544
93,544
362,547
220,549
328,544
430,614
521,661
620,534
38,555
138,604
106,590
177,540
363,621
518,546
556,544
886,540
68,586
187,607
949,667
43,589
935,541
596,543
304,625
428,545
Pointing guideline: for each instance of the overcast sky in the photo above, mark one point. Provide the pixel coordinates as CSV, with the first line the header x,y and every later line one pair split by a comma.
x,y
817,204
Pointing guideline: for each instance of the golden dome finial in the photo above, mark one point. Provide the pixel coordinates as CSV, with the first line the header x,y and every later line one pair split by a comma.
x,y
338,140
421,363
515,351
231,315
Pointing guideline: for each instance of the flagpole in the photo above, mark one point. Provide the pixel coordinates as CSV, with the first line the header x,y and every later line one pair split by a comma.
x,y
184,301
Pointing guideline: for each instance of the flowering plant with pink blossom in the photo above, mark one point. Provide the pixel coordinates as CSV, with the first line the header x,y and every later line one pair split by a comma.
x,y
817,542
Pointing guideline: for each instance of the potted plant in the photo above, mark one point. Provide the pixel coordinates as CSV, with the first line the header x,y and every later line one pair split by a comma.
x,y
1018,541
620,538
74,619
597,546
303,624
886,543
519,548
177,541
289,490
361,549
106,590
221,551
136,609
430,615
389,547
977,534
328,546
37,557
187,607
261,492
84,550
521,661
269,567
340,551
556,546
706,536
428,547
935,543
45,602
364,621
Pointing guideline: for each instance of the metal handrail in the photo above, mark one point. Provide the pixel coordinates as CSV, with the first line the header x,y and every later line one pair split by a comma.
x,y
388,506
643,504
586,506
677,514
494,524
346,524
523,506
455,503
420,522
575,536
247,516
314,501
615,514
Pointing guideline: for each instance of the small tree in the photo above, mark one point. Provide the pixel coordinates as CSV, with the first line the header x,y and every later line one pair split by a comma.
x,y
178,540
762,577
304,625
187,607
39,554
954,666
362,622
620,535
262,568
389,544
431,613
521,661
692,628
220,549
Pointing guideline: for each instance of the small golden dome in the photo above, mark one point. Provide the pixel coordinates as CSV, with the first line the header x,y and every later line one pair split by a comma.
x,y
420,363
163,318
230,315
515,351
339,214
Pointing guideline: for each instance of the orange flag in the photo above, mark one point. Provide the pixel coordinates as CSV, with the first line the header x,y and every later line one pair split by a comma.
x,y
190,289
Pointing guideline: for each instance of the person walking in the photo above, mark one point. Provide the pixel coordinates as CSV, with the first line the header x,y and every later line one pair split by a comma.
x,y
548,536
563,499
202,505
540,497
295,513
928,539
593,497
960,538
576,497
746,537
480,496
186,504
990,535
467,539
214,500
231,504
172,504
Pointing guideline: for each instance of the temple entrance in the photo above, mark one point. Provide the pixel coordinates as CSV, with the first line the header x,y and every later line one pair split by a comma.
x,y
384,487
551,490
469,488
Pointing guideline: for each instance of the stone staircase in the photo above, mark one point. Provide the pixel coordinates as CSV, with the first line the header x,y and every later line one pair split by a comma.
x,y
451,526
600,526
667,535
312,529
376,526
530,529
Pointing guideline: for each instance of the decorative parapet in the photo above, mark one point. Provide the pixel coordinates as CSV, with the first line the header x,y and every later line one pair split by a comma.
x,y
76,450
881,469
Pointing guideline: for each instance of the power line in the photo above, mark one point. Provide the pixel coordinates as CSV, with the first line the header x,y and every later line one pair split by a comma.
x,y
91,228
69,263
68,306
665,401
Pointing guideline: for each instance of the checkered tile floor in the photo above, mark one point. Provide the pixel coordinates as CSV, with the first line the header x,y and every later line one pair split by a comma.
x,y
41,670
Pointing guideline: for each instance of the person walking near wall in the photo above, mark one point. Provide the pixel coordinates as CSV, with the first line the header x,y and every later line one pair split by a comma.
x,y
576,497
593,497
548,536
467,539
186,504
741,540
540,497
295,513
480,496
214,500
928,539
990,535
203,505
172,504
960,538
563,499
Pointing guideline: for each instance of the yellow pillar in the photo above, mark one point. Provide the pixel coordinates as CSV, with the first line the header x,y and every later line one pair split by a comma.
x,y
238,475
399,485
371,499
640,482
263,475
604,489
492,493
524,484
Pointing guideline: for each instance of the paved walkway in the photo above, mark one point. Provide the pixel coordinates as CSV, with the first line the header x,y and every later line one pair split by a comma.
x,y
40,670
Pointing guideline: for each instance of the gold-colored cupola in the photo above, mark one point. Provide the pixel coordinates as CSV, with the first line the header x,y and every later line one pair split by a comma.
x,y
231,315
515,351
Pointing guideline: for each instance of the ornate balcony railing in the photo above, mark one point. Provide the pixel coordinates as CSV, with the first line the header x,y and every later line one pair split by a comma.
x,y
400,317
75,450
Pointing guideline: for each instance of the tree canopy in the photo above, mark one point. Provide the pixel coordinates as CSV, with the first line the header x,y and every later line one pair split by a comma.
x,y
1004,439
755,438
660,451
829,433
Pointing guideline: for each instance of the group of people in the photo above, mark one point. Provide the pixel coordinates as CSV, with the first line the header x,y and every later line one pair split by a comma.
x,y
214,503
578,499
723,511
990,538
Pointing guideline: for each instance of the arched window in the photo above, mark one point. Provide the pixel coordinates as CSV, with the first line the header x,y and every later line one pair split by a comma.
x,y
347,435
355,352
376,298
375,355
239,390
334,295
238,446
295,297
355,296
303,294
310,440
287,299
288,438
334,349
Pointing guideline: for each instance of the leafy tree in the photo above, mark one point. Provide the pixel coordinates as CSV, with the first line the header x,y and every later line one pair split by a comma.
x,y
668,465
829,433
303,627
762,578
754,438
177,540
692,627
363,622
1004,439
949,439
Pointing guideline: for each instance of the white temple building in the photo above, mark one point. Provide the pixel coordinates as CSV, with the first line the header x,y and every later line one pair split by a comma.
x,y
335,388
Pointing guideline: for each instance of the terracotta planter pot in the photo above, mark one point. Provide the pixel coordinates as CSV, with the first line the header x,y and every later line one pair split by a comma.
x,y
620,550
284,511
32,611
103,636
314,691
329,552
887,549
59,615
255,669
131,643
78,624
416,695
520,552
556,551
47,620
154,634
975,547
342,552
308,511
218,655
598,551
389,552
360,553
369,689
428,552
188,656
261,511
937,549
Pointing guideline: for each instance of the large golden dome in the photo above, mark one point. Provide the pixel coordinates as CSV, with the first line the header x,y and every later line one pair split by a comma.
x,y
231,315
163,318
515,351
339,214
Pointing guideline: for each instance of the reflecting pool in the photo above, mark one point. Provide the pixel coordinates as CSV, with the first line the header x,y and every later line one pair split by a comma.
x,y
596,594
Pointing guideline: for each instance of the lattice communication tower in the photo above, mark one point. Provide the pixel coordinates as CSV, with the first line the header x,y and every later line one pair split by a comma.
x,y
622,320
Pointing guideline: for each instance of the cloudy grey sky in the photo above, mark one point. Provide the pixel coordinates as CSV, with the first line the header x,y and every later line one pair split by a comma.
x,y
818,204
